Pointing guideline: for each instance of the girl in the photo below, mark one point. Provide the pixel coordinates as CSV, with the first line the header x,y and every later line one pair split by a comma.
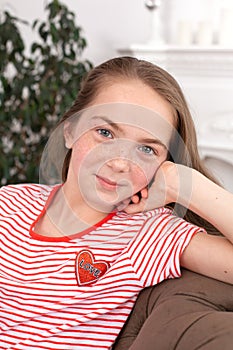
x,y
74,256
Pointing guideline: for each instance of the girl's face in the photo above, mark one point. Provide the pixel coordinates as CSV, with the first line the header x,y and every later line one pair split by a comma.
x,y
118,144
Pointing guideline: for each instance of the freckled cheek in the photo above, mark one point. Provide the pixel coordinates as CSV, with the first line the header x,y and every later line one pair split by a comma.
x,y
83,151
78,155
141,177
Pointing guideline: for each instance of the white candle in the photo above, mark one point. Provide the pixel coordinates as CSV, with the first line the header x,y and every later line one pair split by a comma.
x,y
226,27
184,33
204,33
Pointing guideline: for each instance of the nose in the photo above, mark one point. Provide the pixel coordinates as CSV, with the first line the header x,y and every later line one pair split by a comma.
x,y
121,153
119,164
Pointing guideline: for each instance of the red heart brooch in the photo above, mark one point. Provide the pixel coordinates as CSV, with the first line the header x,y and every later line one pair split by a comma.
x,y
87,269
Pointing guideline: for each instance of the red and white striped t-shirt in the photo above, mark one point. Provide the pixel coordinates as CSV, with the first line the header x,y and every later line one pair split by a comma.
x,y
76,293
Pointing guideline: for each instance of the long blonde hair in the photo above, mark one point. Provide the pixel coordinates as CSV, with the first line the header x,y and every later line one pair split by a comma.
x,y
125,68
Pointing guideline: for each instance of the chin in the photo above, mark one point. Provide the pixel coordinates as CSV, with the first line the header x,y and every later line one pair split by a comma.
x,y
101,205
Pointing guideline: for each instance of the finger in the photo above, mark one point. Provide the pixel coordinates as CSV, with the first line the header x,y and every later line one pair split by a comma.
x,y
135,199
144,192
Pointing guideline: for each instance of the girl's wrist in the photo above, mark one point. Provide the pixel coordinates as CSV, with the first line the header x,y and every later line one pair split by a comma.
x,y
172,182
180,184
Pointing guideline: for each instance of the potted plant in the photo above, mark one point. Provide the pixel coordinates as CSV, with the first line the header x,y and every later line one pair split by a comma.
x,y
36,88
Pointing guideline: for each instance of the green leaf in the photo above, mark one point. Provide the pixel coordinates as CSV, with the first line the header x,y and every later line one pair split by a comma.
x,y
45,84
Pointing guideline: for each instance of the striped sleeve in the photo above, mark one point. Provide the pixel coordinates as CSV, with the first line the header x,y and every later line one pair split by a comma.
x,y
155,252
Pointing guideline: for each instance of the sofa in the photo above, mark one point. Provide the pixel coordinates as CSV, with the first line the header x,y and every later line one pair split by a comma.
x,y
192,312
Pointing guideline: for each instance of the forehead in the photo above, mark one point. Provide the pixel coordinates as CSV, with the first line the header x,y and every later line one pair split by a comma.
x,y
134,91
126,116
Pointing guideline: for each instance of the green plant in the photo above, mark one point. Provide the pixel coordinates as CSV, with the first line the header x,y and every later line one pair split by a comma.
x,y
36,88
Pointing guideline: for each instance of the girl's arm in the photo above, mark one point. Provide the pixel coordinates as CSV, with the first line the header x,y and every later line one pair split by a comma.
x,y
210,256
188,187
207,199
206,254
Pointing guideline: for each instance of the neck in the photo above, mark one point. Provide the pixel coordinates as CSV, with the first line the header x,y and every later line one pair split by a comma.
x,y
62,220
76,208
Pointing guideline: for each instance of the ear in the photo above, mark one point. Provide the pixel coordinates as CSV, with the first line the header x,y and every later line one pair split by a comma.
x,y
69,140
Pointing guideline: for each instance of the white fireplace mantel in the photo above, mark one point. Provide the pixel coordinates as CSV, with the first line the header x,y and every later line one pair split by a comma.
x,y
206,77
187,60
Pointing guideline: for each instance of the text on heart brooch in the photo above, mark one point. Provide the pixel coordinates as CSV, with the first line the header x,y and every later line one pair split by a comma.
x,y
89,270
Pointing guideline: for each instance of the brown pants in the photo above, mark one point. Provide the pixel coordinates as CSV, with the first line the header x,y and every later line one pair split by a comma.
x,y
188,313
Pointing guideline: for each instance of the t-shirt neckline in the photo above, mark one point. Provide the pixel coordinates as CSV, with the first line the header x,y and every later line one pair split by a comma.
x,y
64,238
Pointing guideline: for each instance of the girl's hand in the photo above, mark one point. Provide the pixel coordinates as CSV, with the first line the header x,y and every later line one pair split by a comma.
x,y
163,190
134,202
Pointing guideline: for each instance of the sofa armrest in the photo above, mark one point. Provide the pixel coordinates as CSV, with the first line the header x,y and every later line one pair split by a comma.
x,y
191,312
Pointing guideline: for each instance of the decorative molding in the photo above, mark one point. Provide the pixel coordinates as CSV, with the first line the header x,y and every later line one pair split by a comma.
x,y
191,60
216,152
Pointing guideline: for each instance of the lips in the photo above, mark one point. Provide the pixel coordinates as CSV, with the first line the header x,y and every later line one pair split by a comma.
x,y
107,183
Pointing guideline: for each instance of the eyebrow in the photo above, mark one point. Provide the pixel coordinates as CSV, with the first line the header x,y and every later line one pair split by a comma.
x,y
109,121
153,141
118,128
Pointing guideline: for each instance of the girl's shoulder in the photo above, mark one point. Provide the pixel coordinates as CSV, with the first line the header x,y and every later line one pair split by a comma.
x,y
26,189
153,213
16,197
141,219
163,216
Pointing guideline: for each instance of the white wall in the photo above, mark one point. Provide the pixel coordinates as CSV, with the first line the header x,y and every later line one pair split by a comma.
x,y
112,24
107,24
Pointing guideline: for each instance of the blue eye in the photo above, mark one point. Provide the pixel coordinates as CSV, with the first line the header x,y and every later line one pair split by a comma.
x,y
105,133
146,150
